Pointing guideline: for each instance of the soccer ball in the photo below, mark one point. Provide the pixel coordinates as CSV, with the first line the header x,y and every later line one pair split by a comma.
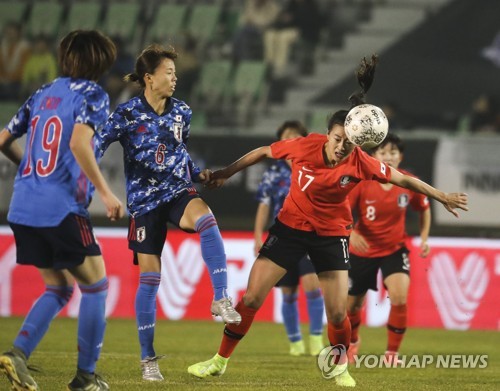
x,y
366,125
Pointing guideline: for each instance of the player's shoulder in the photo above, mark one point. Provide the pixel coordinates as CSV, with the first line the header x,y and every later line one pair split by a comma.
x,y
180,106
84,87
313,138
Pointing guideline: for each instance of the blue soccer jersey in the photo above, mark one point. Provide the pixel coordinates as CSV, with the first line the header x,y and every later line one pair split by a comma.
x,y
49,183
157,164
274,186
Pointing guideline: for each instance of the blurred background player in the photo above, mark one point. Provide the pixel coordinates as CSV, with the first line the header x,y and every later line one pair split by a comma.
x,y
316,220
48,211
153,129
271,194
378,242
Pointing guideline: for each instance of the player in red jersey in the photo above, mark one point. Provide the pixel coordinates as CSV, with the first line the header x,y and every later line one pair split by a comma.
x,y
378,242
315,220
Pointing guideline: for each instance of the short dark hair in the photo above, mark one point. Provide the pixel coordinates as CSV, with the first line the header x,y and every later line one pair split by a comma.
x,y
86,54
393,139
298,126
149,59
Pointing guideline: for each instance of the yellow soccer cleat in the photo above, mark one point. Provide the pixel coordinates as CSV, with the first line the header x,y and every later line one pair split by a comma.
x,y
297,348
216,366
316,344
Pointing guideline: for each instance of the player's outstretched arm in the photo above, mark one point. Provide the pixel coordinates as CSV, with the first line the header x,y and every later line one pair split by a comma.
x,y
450,201
10,148
218,177
80,145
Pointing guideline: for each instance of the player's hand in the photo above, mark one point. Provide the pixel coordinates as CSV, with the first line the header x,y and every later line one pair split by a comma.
x,y
257,246
217,179
454,201
425,249
204,176
358,242
113,205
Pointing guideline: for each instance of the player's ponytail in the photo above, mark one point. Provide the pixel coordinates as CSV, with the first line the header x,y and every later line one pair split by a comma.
x,y
365,75
131,78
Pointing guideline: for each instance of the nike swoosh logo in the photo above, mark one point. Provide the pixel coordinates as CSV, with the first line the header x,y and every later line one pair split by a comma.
x,y
370,201
307,169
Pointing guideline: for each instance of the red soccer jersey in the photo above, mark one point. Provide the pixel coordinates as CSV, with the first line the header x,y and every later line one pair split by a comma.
x,y
382,215
317,200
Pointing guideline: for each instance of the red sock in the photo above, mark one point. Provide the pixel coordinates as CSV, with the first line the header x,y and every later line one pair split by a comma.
x,y
355,319
340,333
234,333
396,326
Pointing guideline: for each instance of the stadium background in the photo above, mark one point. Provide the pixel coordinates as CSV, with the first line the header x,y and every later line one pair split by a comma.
x,y
437,57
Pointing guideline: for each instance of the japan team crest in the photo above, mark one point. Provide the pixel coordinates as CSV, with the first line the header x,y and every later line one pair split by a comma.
x,y
140,234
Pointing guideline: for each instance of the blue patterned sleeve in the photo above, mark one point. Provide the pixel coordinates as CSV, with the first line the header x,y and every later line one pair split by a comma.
x,y
265,186
111,131
186,129
19,124
94,110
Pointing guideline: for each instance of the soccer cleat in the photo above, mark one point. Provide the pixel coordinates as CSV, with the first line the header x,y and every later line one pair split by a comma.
x,y
150,369
216,366
297,348
352,352
391,359
344,379
14,366
316,344
84,381
224,309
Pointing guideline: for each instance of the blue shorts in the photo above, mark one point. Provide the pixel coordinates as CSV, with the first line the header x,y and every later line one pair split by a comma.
x,y
292,276
61,247
147,232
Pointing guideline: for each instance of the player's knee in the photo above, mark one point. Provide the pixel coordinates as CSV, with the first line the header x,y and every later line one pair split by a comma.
x,y
252,300
62,293
335,317
398,299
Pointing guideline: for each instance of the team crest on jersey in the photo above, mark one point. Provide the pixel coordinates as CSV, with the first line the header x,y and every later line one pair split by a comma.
x,y
178,128
140,234
403,200
345,180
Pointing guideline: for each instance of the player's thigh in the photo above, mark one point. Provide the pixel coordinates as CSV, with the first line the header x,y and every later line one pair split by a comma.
x,y
334,284
187,210
263,277
53,277
90,271
396,273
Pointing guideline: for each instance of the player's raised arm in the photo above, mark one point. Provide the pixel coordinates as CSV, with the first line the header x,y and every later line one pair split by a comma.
x,y
220,176
450,201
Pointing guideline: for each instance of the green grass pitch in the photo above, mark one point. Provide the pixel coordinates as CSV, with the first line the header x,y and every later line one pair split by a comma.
x,y
260,361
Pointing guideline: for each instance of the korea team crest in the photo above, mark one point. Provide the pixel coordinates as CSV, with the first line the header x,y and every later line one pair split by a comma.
x,y
403,200
345,180
140,234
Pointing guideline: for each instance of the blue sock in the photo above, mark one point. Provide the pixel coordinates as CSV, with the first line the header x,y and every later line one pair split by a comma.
x,y
315,308
290,312
145,311
212,251
41,314
91,324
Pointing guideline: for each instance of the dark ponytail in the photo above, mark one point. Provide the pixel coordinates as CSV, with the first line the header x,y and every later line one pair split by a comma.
x,y
365,75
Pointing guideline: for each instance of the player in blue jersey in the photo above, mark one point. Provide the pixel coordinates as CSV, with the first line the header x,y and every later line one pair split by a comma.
x,y
271,194
153,129
52,191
